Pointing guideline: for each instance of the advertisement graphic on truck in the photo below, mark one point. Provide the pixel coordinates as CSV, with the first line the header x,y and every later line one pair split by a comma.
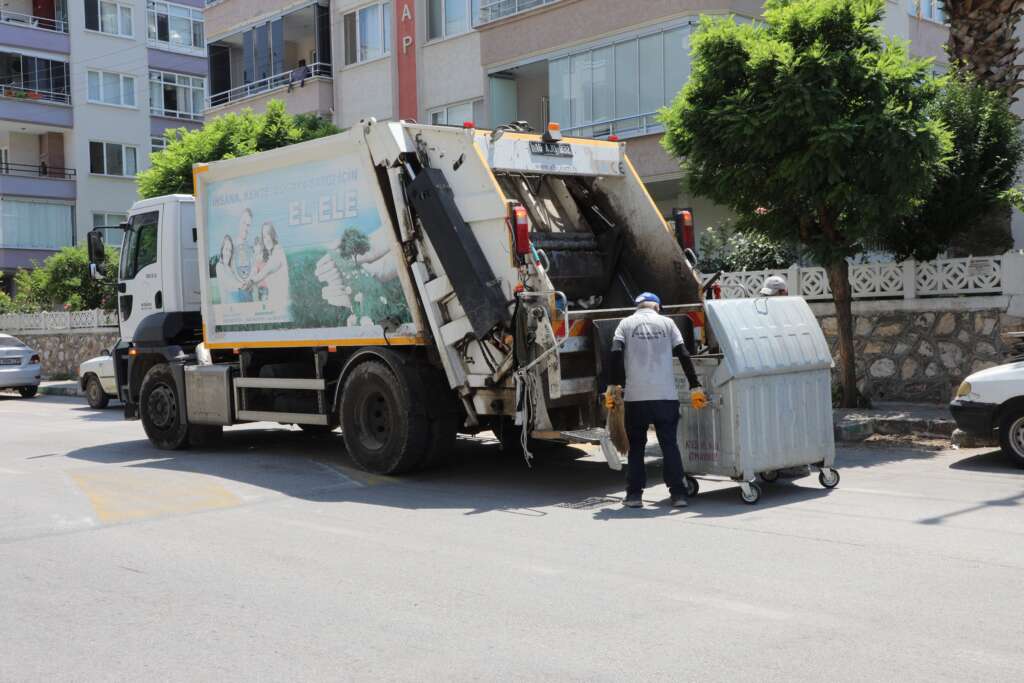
x,y
301,248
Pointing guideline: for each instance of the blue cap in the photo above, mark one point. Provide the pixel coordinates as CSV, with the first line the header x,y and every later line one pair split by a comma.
x,y
647,297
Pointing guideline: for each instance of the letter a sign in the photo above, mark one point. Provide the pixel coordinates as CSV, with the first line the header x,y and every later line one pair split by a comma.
x,y
405,56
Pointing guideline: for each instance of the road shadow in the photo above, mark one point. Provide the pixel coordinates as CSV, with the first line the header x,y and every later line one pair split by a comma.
x,y
992,461
481,479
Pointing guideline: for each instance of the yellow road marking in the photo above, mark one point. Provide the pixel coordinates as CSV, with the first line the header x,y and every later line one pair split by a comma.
x,y
123,494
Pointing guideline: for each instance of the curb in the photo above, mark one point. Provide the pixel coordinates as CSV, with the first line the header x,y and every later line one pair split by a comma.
x,y
60,390
858,429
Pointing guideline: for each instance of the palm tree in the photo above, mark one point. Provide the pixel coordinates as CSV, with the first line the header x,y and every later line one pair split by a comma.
x,y
983,40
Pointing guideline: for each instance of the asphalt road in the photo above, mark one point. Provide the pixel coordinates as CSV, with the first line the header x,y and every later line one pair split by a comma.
x,y
271,559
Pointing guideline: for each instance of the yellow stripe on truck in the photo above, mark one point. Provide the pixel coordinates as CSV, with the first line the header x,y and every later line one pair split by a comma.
x,y
369,341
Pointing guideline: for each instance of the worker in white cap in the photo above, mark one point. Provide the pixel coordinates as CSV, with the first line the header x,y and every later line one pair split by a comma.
x,y
642,351
775,285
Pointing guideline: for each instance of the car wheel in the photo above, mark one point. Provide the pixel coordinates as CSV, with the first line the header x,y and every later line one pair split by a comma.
x,y
97,398
1011,435
28,392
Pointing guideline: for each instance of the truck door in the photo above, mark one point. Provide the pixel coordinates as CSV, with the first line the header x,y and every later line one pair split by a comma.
x,y
190,296
139,283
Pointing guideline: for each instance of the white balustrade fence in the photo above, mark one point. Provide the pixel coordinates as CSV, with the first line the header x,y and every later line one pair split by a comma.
x,y
906,280
56,321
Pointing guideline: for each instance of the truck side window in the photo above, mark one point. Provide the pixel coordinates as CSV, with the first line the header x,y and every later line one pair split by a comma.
x,y
140,244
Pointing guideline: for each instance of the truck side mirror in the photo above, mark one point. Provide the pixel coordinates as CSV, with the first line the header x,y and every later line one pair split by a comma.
x,y
97,254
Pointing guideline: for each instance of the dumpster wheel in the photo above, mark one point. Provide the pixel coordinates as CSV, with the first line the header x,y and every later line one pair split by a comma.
x,y
692,487
828,477
769,476
750,492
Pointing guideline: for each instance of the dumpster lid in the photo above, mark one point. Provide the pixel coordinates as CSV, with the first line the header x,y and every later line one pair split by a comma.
x,y
767,336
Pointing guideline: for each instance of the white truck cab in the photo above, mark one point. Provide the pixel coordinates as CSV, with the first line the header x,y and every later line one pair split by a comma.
x,y
159,269
992,400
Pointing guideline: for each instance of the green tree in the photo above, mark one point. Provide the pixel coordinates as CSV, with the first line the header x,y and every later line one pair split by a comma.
x,y
225,137
967,209
63,282
732,251
813,129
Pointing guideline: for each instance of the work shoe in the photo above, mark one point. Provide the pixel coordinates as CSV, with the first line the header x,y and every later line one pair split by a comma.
x,y
678,501
633,500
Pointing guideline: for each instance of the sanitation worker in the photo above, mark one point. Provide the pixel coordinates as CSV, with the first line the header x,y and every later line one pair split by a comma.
x,y
642,351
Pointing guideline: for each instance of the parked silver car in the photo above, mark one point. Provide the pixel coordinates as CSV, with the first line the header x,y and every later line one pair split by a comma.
x,y
19,366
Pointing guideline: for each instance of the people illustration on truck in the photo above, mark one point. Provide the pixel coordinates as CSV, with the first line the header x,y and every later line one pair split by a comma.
x,y
270,280
229,284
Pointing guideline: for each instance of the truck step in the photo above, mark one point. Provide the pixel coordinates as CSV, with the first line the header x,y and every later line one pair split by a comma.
x,y
285,418
279,383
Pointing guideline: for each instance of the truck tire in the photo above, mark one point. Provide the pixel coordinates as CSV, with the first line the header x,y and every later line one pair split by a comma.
x,y
1011,434
445,418
383,420
94,393
158,409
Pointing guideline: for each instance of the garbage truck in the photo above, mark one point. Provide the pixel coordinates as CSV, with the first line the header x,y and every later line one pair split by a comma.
x,y
404,282
401,281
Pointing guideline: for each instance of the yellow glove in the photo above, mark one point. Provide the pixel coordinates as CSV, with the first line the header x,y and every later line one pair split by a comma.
x,y
609,395
698,399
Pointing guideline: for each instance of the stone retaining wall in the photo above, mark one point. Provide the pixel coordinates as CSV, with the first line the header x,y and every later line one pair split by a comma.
x,y
921,351
61,352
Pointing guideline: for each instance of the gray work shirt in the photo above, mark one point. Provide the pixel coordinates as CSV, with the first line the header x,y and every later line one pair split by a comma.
x,y
648,338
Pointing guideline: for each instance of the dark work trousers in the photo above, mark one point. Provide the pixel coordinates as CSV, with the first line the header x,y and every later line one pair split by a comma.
x,y
664,415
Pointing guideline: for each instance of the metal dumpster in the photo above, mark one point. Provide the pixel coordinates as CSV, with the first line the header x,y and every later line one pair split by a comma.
x,y
770,392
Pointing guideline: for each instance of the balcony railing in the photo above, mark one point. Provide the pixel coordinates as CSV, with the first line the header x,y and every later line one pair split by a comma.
x,y
492,10
315,70
17,90
45,23
36,170
173,114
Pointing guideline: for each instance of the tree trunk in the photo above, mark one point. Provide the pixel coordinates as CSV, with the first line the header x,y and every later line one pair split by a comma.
x,y
983,41
842,294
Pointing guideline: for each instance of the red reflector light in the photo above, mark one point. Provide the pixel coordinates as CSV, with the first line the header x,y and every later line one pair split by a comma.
x,y
684,230
613,138
468,124
522,231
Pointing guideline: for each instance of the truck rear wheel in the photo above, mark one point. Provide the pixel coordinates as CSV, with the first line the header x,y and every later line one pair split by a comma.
x,y
158,408
383,421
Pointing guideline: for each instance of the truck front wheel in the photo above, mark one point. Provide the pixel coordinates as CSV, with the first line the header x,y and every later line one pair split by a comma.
x,y
385,431
158,407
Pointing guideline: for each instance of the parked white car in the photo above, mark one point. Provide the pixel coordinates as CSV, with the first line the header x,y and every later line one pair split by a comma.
x,y
96,377
990,401
19,366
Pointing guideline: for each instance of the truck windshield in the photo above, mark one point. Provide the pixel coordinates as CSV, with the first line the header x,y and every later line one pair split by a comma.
x,y
139,248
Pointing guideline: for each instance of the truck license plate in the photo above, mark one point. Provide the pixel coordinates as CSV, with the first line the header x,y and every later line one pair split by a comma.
x,y
551,149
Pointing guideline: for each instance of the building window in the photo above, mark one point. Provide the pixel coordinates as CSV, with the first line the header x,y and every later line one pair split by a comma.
x,y
157,144
927,9
109,17
368,33
492,10
446,18
113,158
112,234
174,24
176,95
619,88
46,77
35,225
457,114
111,88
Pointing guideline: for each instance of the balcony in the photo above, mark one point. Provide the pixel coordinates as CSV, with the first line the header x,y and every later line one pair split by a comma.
x,y
35,25
271,60
316,95
40,180
34,90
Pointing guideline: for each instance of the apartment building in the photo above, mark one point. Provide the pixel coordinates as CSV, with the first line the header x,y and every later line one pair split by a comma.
x,y
87,89
597,67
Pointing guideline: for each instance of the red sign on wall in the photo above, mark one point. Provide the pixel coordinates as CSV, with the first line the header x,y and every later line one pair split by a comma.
x,y
405,58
